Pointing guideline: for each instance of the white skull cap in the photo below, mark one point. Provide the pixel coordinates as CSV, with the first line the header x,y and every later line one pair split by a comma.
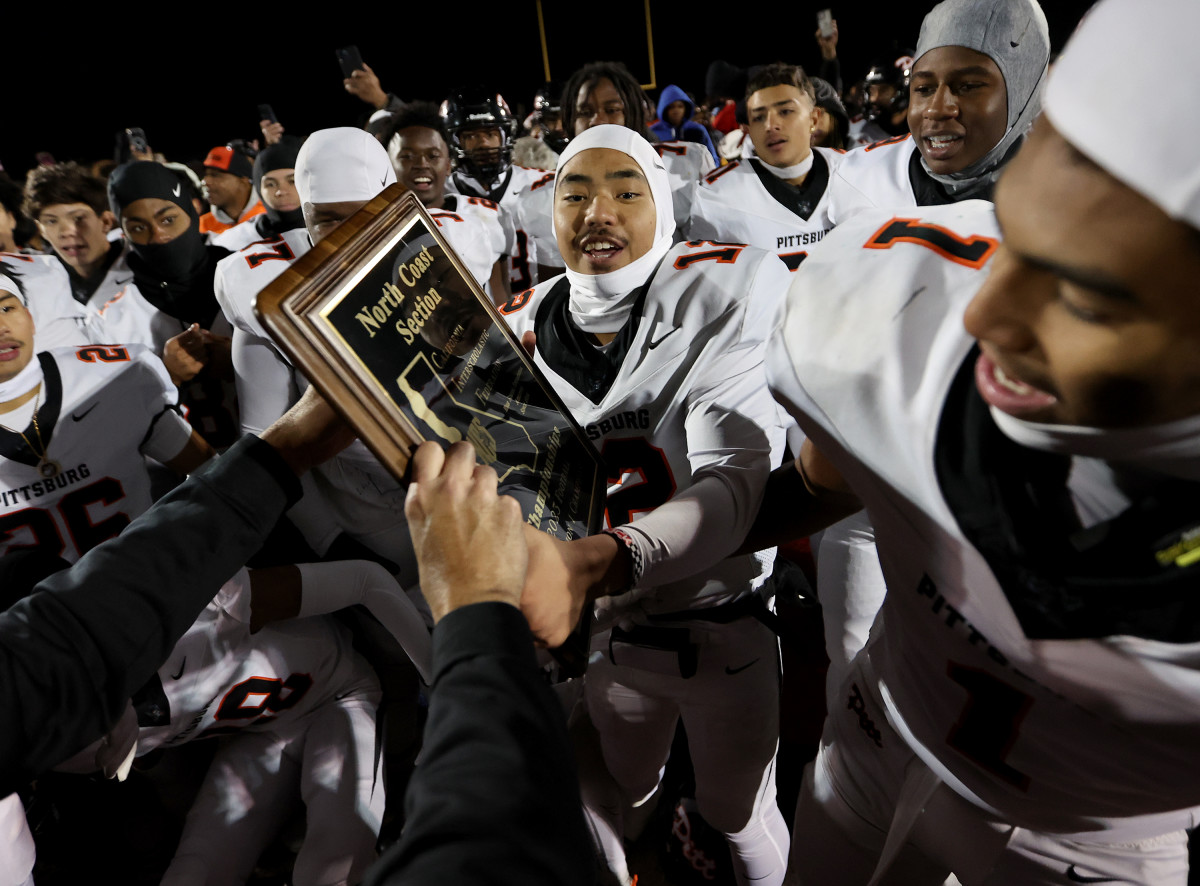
x,y
625,140
1111,63
338,165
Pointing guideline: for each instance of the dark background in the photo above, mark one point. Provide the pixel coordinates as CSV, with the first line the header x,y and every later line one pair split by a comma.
x,y
194,81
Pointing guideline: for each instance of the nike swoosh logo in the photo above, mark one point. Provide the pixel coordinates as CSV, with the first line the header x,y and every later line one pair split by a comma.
x,y
80,416
731,671
176,191
180,674
655,344
1075,877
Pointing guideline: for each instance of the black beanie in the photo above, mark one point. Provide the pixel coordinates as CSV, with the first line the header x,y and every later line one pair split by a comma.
x,y
145,178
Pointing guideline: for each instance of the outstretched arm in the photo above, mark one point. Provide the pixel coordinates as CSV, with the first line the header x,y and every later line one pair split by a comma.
x,y
496,789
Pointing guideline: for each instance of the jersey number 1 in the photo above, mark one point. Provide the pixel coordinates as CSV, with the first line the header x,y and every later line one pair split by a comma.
x,y
973,251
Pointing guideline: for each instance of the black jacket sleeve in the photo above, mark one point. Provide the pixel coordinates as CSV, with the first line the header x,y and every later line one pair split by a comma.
x,y
74,651
495,797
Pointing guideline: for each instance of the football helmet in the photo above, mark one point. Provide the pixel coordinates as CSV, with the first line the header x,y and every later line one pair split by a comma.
x,y
475,108
890,71
547,113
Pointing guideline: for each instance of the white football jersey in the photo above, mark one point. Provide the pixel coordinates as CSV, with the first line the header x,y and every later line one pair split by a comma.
x,y
100,409
116,277
58,320
533,217
244,233
478,232
686,164
1060,735
876,177
677,396
863,132
351,492
517,179
242,276
220,678
208,402
510,195
742,202
129,318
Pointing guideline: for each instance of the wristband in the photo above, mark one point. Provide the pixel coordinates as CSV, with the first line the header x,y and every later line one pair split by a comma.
x,y
637,565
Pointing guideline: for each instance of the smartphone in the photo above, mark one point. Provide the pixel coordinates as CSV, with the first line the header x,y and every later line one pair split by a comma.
x,y
825,22
137,140
350,59
266,112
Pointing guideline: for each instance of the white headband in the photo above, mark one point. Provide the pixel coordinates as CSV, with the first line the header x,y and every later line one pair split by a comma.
x,y
343,164
1105,67
8,284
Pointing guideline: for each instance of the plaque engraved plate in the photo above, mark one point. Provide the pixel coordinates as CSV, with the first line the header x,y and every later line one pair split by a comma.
x,y
396,334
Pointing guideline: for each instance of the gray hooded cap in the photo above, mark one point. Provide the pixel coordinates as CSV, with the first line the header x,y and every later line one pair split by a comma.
x,y
1013,34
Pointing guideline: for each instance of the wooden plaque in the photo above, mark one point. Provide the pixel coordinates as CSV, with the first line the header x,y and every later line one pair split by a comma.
x,y
396,334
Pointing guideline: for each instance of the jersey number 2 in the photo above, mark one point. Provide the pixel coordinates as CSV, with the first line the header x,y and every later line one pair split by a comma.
x,y
74,510
635,455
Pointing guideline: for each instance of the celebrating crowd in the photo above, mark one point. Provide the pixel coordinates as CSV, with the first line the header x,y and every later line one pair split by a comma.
x,y
922,348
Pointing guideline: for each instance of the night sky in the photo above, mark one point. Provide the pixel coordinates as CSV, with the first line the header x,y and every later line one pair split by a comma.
x,y
197,82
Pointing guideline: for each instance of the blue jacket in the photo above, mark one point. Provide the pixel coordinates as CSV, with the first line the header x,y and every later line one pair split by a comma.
x,y
689,130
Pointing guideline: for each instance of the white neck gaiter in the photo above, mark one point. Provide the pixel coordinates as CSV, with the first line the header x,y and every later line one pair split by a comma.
x,y
1171,448
787,173
23,382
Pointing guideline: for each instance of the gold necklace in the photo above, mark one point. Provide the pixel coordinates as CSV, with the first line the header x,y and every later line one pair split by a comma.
x,y
46,466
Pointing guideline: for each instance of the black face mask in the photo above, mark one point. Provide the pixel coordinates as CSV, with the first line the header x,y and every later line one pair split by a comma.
x,y
177,261
278,156
177,277
284,221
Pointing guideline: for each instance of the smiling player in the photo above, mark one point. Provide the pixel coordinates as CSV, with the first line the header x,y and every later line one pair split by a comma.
x,y
1025,710
776,201
976,87
657,351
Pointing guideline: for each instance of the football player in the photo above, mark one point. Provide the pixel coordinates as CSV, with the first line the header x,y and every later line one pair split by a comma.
x,y
481,231
337,172
541,147
480,129
776,200
605,92
294,706
74,425
72,213
1025,710
231,193
46,290
657,351
885,94
976,87
170,306
274,178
